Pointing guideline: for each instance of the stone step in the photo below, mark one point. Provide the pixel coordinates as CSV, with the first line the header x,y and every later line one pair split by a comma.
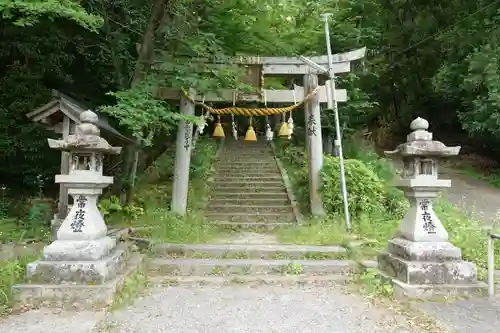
x,y
257,161
254,157
249,195
224,267
251,217
247,179
245,148
247,164
250,201
243,143
253,226
246,152
253,280
249,189
242,156
246,168
238,209
249,251
247,173
242,182
239,169
234,154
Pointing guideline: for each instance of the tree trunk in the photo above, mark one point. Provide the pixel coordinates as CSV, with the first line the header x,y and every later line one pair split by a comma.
x,y
144,58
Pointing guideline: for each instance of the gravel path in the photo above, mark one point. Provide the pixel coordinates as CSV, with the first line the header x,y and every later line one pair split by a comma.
x,y
242,309
226,309
47,321
467,316
476,198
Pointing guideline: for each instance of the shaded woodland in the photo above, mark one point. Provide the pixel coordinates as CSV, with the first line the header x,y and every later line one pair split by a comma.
x,y
439,61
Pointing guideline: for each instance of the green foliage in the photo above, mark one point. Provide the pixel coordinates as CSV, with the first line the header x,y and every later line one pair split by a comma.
x,y
316,232
393,200
170,228
155,116
491,177
29,12
153,197
37,219
468,235
132,287
373,283
203,159
112,208
366,190
11,273
367,179
32,224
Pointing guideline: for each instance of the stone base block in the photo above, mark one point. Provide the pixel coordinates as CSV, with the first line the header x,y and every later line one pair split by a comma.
x,y
404,291
424,251
427,272
76,297
79,272
70,250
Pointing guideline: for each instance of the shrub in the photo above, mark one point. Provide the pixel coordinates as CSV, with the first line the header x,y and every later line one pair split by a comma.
x,y
202,159
365,188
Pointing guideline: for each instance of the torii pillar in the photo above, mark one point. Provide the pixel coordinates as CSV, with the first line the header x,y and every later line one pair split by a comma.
x,y
184,145
314,143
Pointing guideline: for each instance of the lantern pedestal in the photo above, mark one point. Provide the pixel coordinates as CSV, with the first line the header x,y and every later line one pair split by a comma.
x,y
420,261
84,267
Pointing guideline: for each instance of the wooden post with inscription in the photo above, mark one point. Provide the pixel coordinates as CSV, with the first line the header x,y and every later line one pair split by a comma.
x,y
314,144
184,144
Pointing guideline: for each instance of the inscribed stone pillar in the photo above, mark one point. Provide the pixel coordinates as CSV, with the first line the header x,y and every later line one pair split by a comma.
x,y
183,159
314,143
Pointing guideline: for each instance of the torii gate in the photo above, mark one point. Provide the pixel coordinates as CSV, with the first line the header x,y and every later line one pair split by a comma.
x,y
258,68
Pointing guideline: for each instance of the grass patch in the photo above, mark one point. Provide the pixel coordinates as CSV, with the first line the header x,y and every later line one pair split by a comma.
x,y
132,287
12,272
32,224
491,177
164,226
316,232
150,210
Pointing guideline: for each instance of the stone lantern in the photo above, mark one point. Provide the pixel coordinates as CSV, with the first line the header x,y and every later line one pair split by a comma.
x,y
84,261
84,181
420,260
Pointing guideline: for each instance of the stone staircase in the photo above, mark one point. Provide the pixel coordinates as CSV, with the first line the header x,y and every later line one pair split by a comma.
x,y
248,190
249,194
245,262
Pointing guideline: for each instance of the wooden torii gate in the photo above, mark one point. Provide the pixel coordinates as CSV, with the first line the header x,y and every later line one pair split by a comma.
x,y
258,68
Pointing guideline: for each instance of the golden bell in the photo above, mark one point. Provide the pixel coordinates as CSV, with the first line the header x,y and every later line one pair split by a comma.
x,y
218,131
250,135
284,132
